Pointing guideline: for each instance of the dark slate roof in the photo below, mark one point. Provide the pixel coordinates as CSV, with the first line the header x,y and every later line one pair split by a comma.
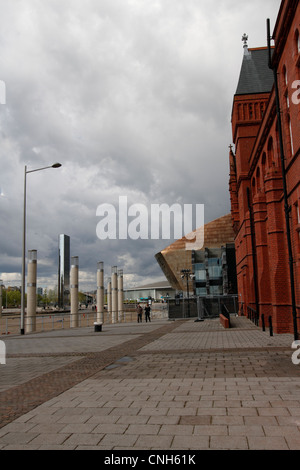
x,y
255,76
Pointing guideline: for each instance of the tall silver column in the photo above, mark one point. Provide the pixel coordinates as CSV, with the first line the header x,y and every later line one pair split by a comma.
x,y
120,294
100,293
114,293
108,299
63,271
74,292
31,291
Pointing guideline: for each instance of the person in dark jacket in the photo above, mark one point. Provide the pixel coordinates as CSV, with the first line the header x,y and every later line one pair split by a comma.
x,y
147,313
139,311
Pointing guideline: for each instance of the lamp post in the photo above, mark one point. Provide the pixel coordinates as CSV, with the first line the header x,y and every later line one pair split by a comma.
x,y
26,172
186,274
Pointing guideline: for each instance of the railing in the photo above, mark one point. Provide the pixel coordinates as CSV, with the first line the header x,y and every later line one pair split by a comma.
x,y
201,307
44,322
226,314
10,324
254,317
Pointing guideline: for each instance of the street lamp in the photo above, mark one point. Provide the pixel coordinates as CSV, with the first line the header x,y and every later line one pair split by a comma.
x,y
26,172
186,274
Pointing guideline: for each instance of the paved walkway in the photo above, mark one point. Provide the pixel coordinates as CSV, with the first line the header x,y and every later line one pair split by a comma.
x,y
162,385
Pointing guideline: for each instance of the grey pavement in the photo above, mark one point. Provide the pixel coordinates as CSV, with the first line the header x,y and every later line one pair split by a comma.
x,y
180,385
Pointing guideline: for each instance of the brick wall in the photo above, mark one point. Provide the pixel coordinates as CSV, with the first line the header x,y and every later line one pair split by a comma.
x,y
258,167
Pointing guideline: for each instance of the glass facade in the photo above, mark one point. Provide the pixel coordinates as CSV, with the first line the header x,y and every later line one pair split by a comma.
x,y
63,270
155,293
208,269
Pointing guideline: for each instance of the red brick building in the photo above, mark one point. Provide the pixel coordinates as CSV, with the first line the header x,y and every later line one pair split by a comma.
x,y
264,176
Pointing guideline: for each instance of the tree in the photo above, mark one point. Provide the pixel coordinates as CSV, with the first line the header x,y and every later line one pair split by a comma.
x,y
11,298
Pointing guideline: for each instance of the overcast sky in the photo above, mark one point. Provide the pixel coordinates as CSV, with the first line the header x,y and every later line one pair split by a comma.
x,y
133,98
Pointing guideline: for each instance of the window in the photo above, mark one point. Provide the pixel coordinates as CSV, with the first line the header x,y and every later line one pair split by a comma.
x,y
201,291
263,165
297,42
213,261
270,152
200,275
214,268
297,223
258,180
200,272
287,100
285,77
291,135
297,48
215,272
215,290
250,111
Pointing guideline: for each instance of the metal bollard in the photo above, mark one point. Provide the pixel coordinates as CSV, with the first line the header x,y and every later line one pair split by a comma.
x,y
270,326
263,322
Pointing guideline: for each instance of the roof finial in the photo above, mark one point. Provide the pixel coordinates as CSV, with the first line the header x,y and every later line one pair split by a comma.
x,y
245,41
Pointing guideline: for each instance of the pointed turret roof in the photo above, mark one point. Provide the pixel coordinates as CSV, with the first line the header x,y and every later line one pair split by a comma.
x,y
255,76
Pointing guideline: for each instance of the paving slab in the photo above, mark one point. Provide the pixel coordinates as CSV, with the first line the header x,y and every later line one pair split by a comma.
x,y
180,385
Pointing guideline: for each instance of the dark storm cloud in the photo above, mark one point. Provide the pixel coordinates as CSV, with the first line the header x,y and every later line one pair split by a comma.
x,y
134,98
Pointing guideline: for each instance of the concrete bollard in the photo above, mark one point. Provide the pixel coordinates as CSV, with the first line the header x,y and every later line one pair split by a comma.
x,y
31,292
114,293
109,298
120,294
2,353
74,292
100,293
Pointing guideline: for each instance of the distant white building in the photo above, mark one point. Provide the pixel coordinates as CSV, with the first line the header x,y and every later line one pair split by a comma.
x,y
157,291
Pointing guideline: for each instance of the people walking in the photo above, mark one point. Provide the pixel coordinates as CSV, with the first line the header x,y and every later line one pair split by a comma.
x,y
139,311
147,313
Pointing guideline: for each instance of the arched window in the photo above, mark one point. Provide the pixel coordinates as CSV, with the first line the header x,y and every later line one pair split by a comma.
x,y
285,75
263,169
270,152
258,180
297,42
263,164
291,135
297,223
287,100
297,213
